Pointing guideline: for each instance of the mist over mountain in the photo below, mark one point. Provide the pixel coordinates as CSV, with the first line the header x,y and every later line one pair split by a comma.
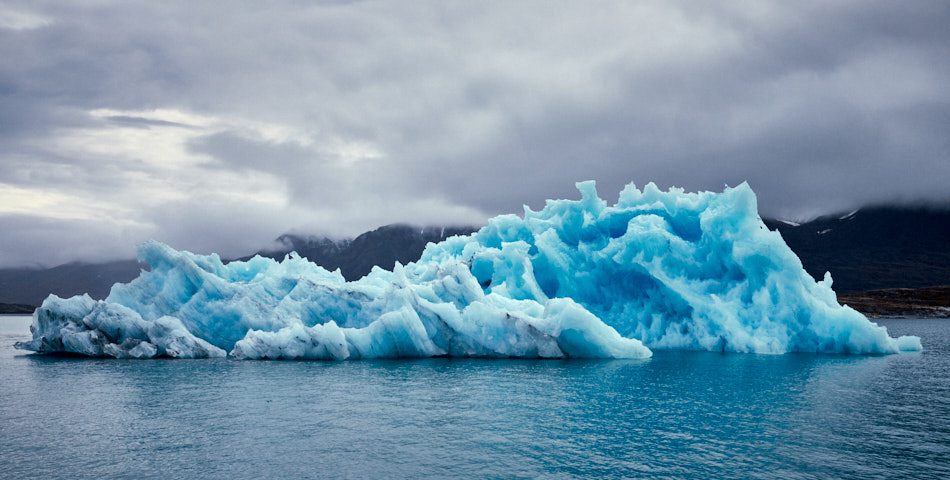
x,y
870,248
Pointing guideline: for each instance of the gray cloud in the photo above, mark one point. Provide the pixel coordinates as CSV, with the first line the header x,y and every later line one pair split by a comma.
x,y
219,128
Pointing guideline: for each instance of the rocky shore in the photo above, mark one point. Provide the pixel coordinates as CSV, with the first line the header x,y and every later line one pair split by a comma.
x,y
927,302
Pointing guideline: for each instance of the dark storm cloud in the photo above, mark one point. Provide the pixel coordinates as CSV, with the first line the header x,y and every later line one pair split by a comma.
x,y
218,128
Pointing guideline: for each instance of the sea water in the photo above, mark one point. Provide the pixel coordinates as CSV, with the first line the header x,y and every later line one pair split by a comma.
x,y
677,415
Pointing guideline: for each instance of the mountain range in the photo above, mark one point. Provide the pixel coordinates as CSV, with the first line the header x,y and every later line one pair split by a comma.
x,y
874,248
355,258
867,249
27,287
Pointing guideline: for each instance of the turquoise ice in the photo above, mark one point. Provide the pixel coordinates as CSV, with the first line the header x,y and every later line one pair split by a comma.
x,y
577,279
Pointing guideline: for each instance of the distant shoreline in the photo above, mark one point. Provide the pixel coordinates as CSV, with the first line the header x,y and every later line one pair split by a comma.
x,y
925,302
16,309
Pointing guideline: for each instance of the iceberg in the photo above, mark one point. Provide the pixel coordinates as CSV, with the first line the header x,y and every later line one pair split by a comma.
x,y
577,279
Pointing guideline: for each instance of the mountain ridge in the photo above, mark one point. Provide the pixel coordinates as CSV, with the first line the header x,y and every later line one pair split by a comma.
x,y
874,248
383,247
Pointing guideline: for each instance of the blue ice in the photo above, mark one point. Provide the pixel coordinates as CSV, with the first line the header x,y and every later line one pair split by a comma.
x,y
577,279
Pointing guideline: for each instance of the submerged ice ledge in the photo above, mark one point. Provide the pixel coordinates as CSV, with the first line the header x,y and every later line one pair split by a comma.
x,y
580,278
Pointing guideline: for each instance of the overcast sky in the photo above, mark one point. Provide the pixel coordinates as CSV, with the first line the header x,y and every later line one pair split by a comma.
x,y
215,126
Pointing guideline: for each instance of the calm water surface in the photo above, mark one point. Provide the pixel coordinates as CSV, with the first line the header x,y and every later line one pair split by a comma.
x,y
678,415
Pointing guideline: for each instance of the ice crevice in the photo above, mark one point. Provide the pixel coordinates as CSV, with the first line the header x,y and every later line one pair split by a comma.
x,y
577,279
